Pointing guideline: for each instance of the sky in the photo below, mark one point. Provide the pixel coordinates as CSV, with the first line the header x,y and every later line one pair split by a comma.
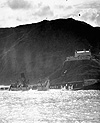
x,y
19,12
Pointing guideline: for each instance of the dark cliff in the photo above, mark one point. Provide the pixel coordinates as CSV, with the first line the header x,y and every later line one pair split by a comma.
x,y
40,49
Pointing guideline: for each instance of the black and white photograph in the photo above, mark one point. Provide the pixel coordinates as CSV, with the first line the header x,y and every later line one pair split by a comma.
x,y
49,61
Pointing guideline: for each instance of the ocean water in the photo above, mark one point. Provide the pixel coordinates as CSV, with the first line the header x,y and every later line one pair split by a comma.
x,y
53,106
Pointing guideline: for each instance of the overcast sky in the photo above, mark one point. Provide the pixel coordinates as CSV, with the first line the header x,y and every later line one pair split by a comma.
x,y
18,12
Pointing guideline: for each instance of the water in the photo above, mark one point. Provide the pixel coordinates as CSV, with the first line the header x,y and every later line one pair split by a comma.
x,y
53,106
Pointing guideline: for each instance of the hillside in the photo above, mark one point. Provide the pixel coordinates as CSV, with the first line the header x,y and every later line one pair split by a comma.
x,y
76,70
40,49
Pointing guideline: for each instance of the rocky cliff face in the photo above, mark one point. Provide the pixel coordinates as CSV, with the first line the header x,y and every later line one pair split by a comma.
x,y
39,49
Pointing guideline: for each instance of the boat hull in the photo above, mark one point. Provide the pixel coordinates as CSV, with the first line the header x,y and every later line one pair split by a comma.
x,y
20,89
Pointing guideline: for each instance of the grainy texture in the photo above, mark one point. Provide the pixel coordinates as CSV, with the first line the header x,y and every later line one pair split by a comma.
x,y
39,49
53,106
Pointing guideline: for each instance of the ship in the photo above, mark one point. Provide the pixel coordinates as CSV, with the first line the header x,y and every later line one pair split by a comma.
x,y
78,72
20,85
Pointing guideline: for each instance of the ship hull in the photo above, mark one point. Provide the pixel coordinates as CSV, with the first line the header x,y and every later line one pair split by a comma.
x,y
89,84
95,86
20,89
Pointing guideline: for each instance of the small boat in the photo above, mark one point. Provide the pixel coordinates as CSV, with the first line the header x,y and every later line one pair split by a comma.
x,y
44,86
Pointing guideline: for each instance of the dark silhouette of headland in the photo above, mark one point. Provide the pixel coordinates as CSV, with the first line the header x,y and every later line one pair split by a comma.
x,y
41,50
